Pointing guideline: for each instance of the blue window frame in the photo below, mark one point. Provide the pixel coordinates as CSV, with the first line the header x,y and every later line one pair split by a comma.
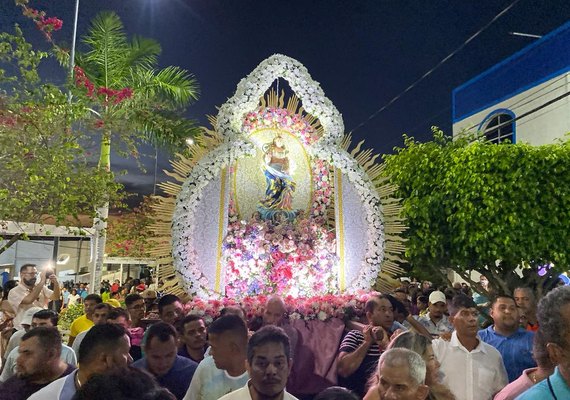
x,y
499,127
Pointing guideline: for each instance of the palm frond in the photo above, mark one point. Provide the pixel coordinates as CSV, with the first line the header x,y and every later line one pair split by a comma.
x,y
108,45
173,86
165,129
143,52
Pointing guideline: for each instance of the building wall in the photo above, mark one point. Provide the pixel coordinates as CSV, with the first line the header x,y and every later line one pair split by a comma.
x,y
540,126
522,85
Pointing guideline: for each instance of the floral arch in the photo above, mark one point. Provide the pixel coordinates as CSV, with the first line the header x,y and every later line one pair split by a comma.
x,y
341,231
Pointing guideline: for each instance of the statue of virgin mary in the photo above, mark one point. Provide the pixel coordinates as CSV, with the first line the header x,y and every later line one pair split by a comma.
x,y
279,184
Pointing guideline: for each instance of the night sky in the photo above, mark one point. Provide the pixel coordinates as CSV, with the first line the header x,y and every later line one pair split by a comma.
x,y
363,53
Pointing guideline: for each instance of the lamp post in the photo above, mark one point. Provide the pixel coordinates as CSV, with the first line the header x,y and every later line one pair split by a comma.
x,y
72,53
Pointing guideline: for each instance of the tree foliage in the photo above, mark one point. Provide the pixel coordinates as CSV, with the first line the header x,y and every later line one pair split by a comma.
x,y
474,205
128,233
44,167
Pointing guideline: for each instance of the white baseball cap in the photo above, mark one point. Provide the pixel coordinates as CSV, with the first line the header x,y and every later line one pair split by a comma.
x,y
29,314
436,297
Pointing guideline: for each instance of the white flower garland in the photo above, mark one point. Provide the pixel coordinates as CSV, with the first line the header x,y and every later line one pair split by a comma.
x,y
230,125
251,89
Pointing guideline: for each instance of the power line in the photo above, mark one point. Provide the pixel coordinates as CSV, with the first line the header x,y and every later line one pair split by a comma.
x,y
439,64
526,114
527,100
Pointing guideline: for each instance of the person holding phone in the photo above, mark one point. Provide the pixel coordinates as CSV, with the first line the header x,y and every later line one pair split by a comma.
x,y
32,293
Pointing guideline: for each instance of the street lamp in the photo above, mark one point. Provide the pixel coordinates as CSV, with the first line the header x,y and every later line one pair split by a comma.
x,y
72,53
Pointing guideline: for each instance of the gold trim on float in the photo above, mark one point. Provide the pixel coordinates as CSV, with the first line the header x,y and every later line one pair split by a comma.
x,y
221,218
340,223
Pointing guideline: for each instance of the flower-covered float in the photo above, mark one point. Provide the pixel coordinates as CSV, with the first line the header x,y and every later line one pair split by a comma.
x,y
271,202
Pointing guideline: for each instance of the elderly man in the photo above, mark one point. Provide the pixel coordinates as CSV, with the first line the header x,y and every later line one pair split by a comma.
x,y
526,302
28,294
269,365
104,348
359,351
473,369
514,343
435,321
402,375
554,320
171,371
39,363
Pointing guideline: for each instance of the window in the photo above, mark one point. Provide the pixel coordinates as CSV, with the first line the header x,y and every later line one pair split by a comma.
x,y
499,127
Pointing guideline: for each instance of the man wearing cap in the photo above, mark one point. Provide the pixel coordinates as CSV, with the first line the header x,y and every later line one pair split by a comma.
x,y
435,321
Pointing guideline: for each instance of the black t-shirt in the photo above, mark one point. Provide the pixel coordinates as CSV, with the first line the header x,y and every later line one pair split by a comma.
x,y
17,388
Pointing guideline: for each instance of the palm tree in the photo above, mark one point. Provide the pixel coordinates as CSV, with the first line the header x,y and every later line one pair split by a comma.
x,y
130,98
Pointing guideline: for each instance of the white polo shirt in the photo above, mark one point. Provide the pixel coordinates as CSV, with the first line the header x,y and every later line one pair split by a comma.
x,y
471,375
243,394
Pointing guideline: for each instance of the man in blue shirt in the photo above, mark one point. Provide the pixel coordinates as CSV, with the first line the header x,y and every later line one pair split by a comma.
x,y
554,323
172,371
514,343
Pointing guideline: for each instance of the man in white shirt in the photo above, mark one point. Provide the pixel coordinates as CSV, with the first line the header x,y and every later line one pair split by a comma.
x,y
224,371
435,321
27,294
269,365
473,369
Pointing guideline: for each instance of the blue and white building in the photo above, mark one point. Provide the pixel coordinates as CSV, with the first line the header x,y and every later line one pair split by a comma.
x,y
525,98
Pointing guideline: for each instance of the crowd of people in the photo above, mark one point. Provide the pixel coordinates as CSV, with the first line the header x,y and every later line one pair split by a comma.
x,y
416,343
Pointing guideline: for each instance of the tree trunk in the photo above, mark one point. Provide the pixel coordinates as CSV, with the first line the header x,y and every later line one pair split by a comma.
x,y
100,221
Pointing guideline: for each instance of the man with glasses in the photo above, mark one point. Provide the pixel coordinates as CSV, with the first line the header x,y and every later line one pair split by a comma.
x,y
135,307
473,369
32,293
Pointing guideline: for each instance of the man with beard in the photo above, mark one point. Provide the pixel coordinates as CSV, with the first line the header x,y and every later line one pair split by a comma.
x,y
359,351
473,369
171,371
268,364
42,318
104,349
192,338
37,365
225,370
28,294
513,342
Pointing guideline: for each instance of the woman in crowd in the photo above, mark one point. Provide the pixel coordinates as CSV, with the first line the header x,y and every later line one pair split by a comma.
x,y
74,298
421,345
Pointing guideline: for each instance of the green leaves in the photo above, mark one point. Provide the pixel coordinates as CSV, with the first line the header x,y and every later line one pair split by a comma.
x,y
470,204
